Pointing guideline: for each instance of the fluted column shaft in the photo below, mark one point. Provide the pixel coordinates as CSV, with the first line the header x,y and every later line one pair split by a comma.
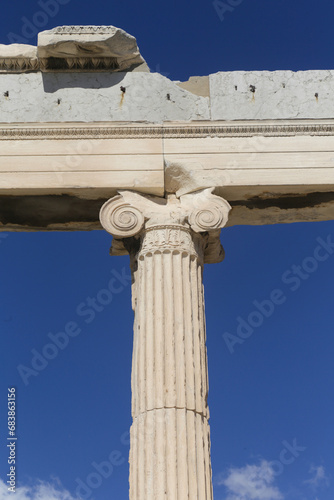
x,y
169,240
170,444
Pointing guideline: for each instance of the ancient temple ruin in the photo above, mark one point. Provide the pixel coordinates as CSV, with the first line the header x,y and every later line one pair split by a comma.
x,y
91,139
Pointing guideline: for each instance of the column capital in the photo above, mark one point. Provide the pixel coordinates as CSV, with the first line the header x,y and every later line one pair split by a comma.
x,y
131,214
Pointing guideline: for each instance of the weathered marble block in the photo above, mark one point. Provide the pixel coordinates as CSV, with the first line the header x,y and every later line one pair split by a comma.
x,y
88,47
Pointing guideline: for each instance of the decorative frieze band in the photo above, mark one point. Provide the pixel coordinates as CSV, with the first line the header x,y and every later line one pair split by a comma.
x,y
72,64
69,64
18,65
180,131
82,30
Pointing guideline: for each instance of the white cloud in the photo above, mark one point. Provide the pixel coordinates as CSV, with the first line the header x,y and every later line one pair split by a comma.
x,y
318,478
40,491
252,482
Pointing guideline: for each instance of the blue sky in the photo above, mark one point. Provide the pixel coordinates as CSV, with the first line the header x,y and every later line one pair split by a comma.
x,y
271,396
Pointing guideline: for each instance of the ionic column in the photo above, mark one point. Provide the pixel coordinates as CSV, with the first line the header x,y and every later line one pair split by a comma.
x,y
169,241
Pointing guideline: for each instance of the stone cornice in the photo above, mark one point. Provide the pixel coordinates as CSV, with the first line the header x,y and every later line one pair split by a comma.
x,y
74,49
167,130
